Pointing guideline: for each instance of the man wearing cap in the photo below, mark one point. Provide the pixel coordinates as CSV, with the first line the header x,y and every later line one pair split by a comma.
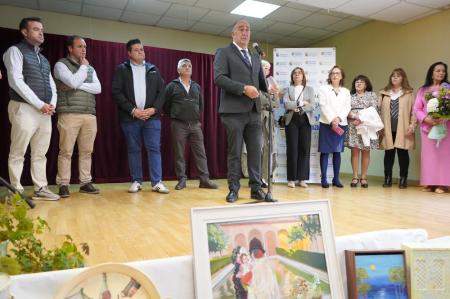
x,y
184,103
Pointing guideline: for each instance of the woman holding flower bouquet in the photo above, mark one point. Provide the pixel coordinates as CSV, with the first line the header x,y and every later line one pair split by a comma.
x,y
396,103
432,109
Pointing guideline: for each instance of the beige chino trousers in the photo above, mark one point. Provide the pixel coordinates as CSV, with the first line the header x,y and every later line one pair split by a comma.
x,y
29,126
82,129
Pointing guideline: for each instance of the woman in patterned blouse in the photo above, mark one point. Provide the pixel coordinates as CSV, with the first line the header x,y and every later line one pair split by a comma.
x,y
362,97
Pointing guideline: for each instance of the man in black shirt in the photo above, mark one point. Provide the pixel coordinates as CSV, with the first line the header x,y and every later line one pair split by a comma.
x,y
184,103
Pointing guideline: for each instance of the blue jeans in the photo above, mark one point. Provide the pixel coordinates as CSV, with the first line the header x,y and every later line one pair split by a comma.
x,y
150,131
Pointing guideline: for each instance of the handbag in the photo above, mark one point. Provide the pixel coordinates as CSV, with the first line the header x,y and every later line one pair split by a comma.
x,y
282,121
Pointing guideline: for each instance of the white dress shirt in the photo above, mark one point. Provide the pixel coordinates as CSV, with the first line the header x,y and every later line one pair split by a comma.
x,y
76,80
332,105
139,84
246,50
13,60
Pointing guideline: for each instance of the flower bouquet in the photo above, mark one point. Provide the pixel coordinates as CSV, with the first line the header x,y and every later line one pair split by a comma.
x,y
438,106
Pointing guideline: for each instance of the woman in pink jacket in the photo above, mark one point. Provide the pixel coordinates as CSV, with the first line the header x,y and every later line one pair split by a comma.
x,y
435,160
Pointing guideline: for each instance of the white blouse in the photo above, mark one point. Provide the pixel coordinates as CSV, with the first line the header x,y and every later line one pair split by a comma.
x,y
332,105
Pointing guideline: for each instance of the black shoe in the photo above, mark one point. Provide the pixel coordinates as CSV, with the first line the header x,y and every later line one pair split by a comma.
x,y
403,183
325,184
89,188
64,191
387,181
364,183
232,196
258,194
354,183
208,185
181,184
338,184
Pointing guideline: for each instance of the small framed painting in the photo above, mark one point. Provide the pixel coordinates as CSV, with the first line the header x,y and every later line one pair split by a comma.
x,y
109,281
376,274
428,268
270,251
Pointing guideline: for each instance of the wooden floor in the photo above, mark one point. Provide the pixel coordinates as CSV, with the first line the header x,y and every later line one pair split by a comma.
x,y
120,227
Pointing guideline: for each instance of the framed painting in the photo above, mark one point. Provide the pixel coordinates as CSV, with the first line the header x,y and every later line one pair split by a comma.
x,y
270,251
109,281
428,269
376,274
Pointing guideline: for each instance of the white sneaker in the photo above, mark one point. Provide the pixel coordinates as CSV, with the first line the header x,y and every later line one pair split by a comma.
x,y
135,187
302,184
45,194
160,188
291,184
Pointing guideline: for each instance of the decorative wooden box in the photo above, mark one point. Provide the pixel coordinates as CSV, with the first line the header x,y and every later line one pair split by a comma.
x,y
428,268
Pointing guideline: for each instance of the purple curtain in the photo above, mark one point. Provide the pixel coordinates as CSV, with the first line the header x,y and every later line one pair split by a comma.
x,y
110,163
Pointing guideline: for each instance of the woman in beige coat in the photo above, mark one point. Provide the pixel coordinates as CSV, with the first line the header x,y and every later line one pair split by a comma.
x,y
396,103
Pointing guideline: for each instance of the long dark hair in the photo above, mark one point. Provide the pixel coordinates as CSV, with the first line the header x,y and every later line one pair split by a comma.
x,y
429,78
362,78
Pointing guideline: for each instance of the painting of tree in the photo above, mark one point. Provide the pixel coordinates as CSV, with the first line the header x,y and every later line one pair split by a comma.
x,y
217,239
311,226
397,276
296,233
363,287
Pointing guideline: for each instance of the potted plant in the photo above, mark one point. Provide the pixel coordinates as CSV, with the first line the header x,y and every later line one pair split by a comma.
x,y
27,254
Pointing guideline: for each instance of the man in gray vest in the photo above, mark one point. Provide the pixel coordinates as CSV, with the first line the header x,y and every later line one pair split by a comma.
x,y
77,85
33,101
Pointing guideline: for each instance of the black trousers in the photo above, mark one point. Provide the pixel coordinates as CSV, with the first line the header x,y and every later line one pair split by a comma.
x,y
191,131
240,127
403,160
298,145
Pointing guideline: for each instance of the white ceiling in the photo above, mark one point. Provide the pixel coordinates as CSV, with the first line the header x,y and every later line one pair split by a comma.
x,y
296,23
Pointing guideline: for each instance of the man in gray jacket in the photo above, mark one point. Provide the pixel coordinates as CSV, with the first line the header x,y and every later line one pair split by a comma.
x,y
239,75
184,103
77,85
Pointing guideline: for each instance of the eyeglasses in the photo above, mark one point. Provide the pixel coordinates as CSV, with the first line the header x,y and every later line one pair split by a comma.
x,y
360,82
335,73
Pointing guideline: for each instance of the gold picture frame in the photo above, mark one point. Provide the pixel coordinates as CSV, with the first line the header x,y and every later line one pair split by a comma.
x,y
112,280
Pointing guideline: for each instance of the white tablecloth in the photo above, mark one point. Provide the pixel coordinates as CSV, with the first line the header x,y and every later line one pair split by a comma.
x,y
174,276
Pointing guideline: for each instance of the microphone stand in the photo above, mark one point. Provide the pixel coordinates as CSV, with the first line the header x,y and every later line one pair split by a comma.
x,y
30,203
269,197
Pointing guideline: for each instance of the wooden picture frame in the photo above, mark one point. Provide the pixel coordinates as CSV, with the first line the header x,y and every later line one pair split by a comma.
x,y
376,274
281,250
125,282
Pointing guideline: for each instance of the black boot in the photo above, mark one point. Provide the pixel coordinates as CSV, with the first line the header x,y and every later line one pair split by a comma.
x,y
402,184
387,181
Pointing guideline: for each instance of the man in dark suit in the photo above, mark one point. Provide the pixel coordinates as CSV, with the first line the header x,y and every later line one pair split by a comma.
x,y
239,75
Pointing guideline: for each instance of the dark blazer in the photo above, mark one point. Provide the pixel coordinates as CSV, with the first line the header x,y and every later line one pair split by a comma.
x,y
231,74
123,90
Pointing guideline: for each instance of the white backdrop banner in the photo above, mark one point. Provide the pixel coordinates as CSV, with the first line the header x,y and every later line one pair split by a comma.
x,y
316,62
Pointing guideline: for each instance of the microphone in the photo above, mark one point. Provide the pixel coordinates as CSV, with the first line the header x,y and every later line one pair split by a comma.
x,y
258,49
